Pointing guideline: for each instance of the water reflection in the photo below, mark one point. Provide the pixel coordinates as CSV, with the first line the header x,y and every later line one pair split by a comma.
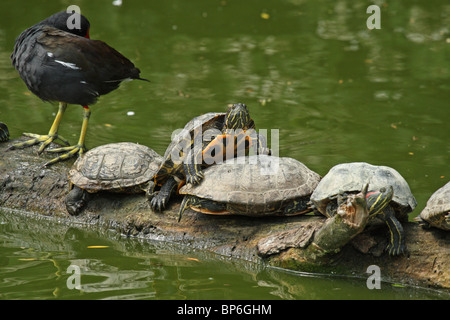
x,y
36,254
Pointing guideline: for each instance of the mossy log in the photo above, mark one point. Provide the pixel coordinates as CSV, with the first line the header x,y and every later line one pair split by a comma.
x,y
341,245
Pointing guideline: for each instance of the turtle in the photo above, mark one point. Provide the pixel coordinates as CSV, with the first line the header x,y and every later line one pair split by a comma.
x,y
257,185
205,140
437,211
349,177
116,167
4,133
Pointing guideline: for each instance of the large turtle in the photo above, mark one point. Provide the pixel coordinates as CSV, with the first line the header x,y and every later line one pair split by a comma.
x,y
437,211
205,140
258,185
4,133
349,177
116,167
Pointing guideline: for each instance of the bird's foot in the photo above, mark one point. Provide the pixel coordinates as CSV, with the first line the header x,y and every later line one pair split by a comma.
x,y
71,151
37,138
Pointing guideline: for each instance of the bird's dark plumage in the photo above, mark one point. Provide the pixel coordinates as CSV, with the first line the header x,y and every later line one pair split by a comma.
x,y
58,64
62,64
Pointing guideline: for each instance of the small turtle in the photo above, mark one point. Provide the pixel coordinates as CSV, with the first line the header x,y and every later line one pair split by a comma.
x,y
258,185
205,140
349,177
117,167
4,133
437,211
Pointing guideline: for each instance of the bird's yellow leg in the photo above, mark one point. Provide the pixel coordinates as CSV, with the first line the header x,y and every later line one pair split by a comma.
x,y
77,149
45,139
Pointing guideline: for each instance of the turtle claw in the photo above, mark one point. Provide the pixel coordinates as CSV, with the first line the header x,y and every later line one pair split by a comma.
x,y
394,250
150,192
160,198
195,178
158,202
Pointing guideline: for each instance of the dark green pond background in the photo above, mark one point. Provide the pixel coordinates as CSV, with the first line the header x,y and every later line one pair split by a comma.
x,y
336,91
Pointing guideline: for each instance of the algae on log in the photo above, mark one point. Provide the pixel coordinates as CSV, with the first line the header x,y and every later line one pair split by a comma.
x,y
299,243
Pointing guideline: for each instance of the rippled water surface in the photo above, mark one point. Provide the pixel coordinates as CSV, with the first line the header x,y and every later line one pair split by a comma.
x,y
35,257
336,92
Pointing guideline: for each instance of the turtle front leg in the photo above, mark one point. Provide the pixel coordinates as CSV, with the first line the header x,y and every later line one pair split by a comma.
x,y
259,143
184,205
149,190
194,173
396,244
160,199
193,167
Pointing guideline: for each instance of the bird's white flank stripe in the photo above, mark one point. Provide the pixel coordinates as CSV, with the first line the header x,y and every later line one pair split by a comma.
x,y
68,64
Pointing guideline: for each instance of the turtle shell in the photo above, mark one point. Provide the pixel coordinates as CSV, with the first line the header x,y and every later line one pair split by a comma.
x,y
351,177
204,122
120,166
183,141
437,210
256,184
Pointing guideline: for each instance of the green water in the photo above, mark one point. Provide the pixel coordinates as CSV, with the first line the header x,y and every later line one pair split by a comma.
x,y
336,92
36,254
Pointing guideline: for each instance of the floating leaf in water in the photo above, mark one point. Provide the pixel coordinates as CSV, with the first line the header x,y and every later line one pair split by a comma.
x,y
265,16
398,285
97,247
193,259
394,125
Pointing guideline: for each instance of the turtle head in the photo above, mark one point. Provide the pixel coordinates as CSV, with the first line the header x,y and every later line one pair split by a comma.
x,y
75,200
377,200
238,117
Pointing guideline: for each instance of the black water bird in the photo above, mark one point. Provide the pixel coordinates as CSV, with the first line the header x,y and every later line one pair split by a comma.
x,y
65,65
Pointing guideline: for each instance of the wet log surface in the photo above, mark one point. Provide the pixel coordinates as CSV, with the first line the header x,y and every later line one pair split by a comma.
x,y
287,242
